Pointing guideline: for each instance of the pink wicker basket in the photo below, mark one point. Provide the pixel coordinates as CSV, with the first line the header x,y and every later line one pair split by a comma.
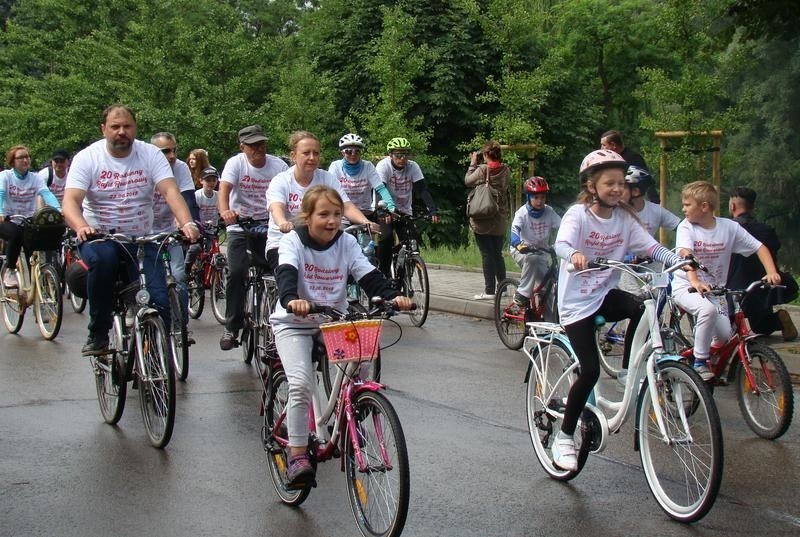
x,y
348,341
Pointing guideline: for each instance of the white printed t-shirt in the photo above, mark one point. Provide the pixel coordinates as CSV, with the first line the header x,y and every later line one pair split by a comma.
x,y
57,186
359,187
20,193
580,295
713,248
163,219
285,189
322,275
535,231
207,205
399,182
654,216
249,185
119,191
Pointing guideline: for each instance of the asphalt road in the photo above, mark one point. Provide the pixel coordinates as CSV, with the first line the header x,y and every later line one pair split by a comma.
x,y
460,397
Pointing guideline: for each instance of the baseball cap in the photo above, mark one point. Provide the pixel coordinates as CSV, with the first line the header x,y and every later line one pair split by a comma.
x,y
210,171
59,154
252,134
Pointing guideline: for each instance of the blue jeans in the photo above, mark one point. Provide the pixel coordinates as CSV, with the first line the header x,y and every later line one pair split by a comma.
x,y
177,265
103,259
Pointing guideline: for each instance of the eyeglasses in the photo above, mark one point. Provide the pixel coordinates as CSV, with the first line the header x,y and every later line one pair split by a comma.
x,y
22,157
59,160
168,150
351,151
400,155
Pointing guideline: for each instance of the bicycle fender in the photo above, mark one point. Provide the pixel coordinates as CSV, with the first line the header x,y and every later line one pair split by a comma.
x,y
668,358
368,386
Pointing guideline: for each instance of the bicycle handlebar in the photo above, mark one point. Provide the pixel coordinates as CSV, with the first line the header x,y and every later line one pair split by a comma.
x,y
380,308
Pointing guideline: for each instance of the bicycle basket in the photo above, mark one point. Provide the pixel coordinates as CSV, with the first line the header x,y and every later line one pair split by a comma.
x,y
44,231
348,341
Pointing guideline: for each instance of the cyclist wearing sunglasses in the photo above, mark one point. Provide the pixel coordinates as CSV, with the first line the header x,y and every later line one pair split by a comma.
x,y
403,177
358,177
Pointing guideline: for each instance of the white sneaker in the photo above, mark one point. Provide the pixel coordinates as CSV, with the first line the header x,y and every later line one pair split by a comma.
x,y
483,296
564,455
702,369
10,278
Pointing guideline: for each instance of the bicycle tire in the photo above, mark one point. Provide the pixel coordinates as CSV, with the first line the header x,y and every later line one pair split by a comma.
x,y
685,472
197,294
157,397
110,382
247,341
78,304
509,319
49,303
379,494
178,334
218,279
276,455
417,288
768,413
265,342
370,371
13,310
545,381
610,346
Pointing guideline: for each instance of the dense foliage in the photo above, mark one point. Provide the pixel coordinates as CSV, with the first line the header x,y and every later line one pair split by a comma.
x,y
447,74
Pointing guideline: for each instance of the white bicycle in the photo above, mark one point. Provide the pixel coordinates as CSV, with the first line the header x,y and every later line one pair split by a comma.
x,y
676,430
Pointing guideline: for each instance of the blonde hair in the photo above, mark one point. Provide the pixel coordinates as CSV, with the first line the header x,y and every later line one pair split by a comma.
x,y
297,136
702,192
312,196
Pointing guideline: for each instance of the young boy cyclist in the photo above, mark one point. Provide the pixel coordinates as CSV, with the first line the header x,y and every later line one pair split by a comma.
x,y
712,241
531,228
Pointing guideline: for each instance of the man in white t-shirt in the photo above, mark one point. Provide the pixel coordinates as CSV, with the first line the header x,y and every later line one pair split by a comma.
x,y
110,187
55,173
242,192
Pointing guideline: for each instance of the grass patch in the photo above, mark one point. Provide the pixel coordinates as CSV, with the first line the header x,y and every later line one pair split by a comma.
x,y
466,256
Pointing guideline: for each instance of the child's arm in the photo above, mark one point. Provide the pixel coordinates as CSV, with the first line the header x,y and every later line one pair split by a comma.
x,y
772,277
691,275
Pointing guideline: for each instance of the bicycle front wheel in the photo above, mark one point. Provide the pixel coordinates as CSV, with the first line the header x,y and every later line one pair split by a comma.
x,y
683,469
769,411
248,339
415,282
550,379
197,293
178,336
156,379
376,466
277,454
218,279
109,375
49,302
610,344
509,319
13,307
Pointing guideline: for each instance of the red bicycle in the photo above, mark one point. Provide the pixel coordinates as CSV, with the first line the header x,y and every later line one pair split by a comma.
x,y
209,271
763,385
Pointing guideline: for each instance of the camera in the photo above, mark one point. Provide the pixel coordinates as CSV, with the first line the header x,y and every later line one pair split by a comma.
x,y
479,156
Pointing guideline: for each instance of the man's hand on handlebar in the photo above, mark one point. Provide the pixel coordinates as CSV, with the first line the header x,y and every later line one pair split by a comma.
x,y
229,217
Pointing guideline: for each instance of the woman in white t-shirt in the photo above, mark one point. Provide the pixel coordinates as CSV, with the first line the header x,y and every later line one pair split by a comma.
x,y
598,226
358,177
314,262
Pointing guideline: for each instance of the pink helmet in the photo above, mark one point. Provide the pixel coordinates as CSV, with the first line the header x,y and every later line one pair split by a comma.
x,y
598,160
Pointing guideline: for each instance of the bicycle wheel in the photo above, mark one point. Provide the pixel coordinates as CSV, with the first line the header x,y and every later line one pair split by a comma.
x,y
218,279
197,294
265,342
378,486
509,319
78,304
178,334
13,310
550,378
248,338
415,283
684,470
49,302
610,344
769,412
276,454
109,376
156,382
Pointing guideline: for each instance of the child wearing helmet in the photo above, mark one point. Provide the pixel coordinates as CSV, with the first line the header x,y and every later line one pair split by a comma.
x,y
598,225
638,181
403,177
531,228
358,177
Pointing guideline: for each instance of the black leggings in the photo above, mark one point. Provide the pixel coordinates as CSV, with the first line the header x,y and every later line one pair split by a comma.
x,y
616,306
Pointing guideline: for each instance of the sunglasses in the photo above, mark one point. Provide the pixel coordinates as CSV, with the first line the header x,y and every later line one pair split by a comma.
x,y
168,150
400,155
351,151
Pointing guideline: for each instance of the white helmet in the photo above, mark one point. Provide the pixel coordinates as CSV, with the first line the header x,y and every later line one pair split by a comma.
x,y
351,140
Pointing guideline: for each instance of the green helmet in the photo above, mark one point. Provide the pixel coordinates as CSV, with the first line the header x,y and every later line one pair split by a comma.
x,y
397,143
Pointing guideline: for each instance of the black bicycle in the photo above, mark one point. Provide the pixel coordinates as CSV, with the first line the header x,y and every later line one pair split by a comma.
x,y
408,269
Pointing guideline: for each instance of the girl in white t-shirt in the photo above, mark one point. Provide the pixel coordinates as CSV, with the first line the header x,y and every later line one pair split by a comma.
x,y
314,261
598,226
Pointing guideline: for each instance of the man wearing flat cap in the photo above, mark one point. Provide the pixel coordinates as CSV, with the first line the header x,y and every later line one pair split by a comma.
x,y
242,193
55,174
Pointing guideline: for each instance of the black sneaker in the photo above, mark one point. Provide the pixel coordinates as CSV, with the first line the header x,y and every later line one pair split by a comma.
x,y
95,345
228,340
521,300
